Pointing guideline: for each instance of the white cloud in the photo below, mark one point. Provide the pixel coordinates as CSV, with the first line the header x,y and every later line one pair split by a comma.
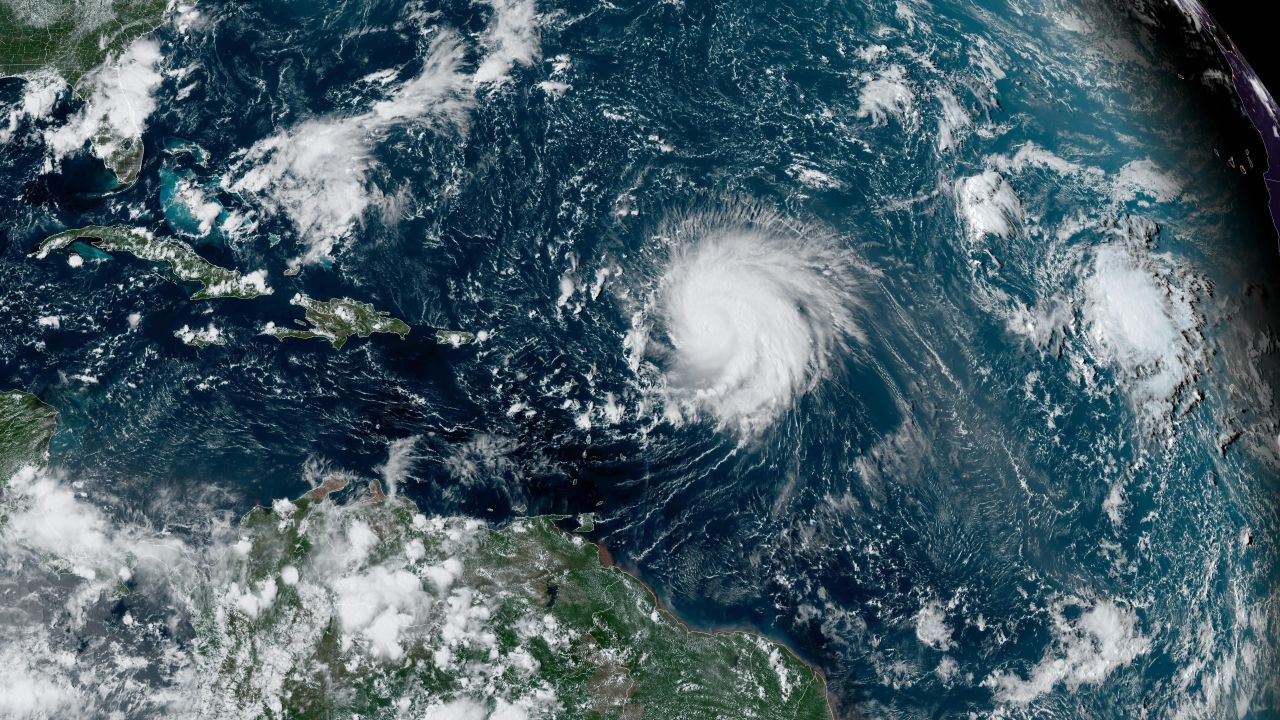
x,y
886,95
510,39
361,539
118,102
1031,155
947,670
443,574
317,173
196,200
53,522
988,205
1086,650
1145,178
35,680
508,711
812,177
932,628
210,335
390,585
253,601
1141,319
39,94
48,523
460,709
400,459
951,121
378,604
754,317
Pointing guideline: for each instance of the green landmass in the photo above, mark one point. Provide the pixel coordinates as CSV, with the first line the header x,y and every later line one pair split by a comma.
x,y
183,261
371,610
456,338
176,147
121,154
336,320
70,37
26,425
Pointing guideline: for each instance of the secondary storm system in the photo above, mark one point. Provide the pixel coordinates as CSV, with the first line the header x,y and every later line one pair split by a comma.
x,y
454,358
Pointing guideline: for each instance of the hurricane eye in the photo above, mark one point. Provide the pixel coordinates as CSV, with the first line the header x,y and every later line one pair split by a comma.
x,y
754,309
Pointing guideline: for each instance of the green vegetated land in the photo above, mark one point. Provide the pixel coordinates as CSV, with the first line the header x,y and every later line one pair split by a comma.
x,y
338,319
385,611
26,425
181,258
370,609
335,320
70,37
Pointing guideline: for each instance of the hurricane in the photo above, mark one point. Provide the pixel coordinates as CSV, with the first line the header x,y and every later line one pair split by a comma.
x,y
749,313
538,359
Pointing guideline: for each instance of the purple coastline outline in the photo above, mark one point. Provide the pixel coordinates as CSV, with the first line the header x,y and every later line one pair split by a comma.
x,y
1257,100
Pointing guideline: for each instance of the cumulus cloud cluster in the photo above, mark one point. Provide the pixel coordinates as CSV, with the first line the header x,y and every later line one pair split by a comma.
x,y
988,205
380,577
119,96
317,173
38,97
1085,650
1142,320
886,94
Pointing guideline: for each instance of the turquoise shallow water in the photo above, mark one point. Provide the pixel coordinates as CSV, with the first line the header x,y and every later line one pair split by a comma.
x,y
1037,477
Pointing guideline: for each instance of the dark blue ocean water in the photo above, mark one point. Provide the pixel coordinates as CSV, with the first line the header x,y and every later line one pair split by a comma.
x,y
943,461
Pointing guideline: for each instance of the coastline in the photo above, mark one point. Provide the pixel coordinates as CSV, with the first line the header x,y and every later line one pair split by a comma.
x,y
1259,105
608,561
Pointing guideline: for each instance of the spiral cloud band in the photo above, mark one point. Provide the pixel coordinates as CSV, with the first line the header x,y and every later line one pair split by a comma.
x,y
752,309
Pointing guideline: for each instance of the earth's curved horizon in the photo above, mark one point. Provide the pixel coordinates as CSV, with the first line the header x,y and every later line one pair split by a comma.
x,y
526,359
